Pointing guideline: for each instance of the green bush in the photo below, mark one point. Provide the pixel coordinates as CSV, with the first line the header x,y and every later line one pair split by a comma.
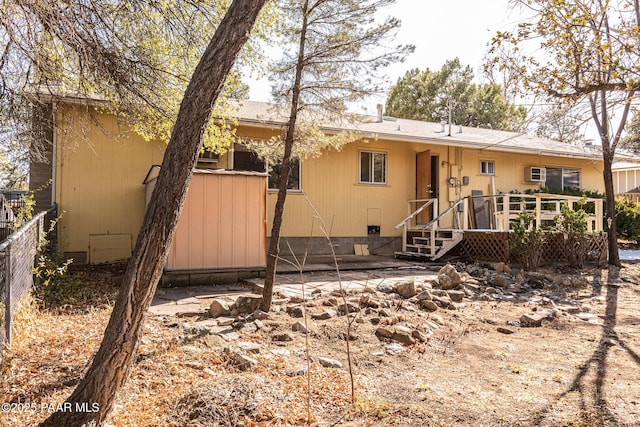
x,y
628,219
525,243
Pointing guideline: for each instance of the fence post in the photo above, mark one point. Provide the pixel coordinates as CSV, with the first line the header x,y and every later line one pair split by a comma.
x,y
7,295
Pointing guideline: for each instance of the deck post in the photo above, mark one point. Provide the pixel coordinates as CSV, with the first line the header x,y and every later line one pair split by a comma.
x,y
538,211
435,212
404,237
599,214
506,211
465,213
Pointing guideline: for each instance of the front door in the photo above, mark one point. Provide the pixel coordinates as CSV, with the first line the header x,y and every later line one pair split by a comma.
x,y
423,184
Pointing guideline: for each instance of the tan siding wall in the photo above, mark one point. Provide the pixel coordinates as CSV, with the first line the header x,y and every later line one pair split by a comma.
x,y
99,179
331,184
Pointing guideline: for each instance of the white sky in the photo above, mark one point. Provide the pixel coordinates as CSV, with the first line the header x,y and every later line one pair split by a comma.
x,y
440,30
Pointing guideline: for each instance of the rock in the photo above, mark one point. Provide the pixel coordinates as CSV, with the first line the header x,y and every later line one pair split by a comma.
x,y
258,315
586,316
249,347
384,312
403,335
501,280
330,302
499,267
296,372
406,289
258,323
348,307
329,363
219,308
535,283
504,330
246,303
327,314
443,302
282,337
394,349
384,331
226,321
369,300
420,336
535,319
296,299
456,296
296,311
449,278
385,288
437,318
299,327
375,320
243,362
571,309
424,295
428,305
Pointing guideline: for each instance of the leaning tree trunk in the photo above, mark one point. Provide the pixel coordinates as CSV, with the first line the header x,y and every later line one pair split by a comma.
x,y
274,244
113,361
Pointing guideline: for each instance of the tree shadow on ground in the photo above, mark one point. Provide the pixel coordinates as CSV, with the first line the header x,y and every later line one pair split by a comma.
x,y
594,408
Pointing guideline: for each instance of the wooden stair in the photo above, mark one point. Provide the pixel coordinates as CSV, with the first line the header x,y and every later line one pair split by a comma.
x,y
428,243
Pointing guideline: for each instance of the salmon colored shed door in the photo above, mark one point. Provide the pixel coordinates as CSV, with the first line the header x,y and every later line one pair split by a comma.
x,y
423,184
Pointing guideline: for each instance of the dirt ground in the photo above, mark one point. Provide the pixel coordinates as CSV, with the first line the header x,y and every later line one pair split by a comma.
x,y
473,363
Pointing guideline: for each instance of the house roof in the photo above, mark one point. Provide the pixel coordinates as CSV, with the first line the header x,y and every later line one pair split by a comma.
x,y
264,114
269,115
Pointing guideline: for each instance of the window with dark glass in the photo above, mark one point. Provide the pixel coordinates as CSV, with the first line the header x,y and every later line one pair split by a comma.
x,y
246,160
560,179
373,167
294,176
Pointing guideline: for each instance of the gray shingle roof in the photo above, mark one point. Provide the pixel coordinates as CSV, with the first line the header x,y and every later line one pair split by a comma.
x,y
260,113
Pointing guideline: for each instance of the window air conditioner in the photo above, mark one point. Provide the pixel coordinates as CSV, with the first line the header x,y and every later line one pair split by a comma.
x,y
535,174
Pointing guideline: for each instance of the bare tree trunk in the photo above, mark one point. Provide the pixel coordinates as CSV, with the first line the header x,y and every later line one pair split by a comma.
x,y
612,232
285,171
113,361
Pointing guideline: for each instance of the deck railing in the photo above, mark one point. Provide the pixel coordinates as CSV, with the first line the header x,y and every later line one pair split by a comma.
x,y
501,210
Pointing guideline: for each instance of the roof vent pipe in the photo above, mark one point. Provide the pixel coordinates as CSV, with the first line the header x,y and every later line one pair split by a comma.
x,y
379,113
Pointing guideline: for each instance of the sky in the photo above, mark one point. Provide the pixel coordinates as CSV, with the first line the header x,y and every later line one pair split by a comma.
x,y
440,30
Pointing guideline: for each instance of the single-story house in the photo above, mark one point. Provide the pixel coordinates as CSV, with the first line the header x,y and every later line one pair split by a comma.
x,y
400,172
626,176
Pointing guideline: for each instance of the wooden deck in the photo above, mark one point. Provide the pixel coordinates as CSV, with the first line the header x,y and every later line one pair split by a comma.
x,y
457,225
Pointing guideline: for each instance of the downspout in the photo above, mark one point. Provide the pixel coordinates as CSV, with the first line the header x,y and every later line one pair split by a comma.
x,y
54,151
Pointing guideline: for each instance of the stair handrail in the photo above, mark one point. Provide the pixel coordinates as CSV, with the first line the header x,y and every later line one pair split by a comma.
x,y
446,211
415,213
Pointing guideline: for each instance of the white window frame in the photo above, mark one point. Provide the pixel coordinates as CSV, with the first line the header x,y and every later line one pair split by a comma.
x,y
485,165
372,177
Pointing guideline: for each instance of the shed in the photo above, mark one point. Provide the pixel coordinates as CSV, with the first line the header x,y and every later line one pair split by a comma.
x,y
221,233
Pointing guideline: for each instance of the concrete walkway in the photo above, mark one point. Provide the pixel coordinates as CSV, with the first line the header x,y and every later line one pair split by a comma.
x,y
356,273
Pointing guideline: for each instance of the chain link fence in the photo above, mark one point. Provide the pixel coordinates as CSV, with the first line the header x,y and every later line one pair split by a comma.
x,y
18,253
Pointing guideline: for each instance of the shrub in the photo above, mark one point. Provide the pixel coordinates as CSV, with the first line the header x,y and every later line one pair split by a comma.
x,y
628,219
573,225
525,244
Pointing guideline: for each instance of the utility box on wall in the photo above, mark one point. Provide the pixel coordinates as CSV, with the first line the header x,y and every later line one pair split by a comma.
x,y
222,230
